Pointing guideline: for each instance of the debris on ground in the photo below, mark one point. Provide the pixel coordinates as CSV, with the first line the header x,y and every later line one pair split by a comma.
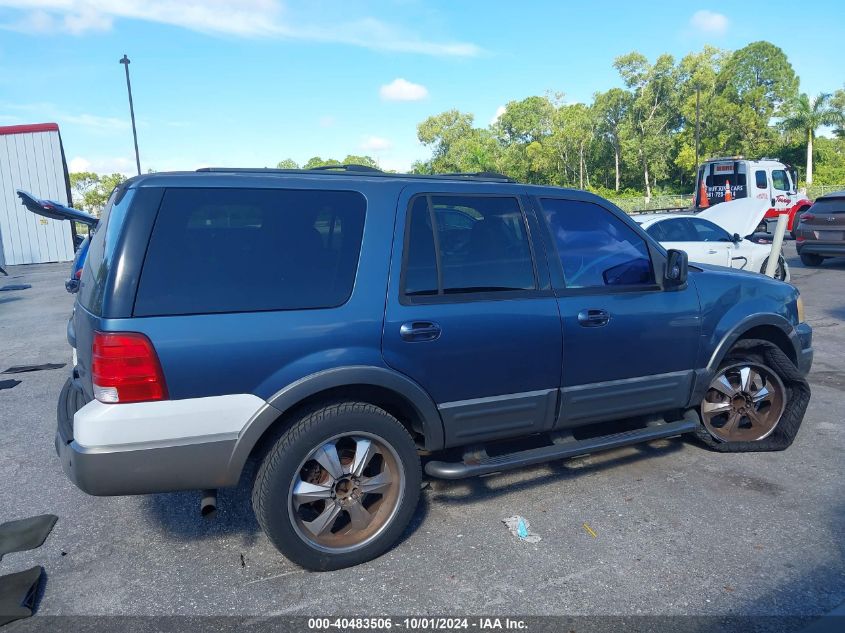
x,y
590,530
520,528
21,369
15,287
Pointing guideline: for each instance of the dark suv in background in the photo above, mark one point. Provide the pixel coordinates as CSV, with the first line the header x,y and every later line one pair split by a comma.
x,y
334,326
821,230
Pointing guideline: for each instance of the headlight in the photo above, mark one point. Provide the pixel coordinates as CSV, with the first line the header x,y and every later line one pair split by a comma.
x,y
799,303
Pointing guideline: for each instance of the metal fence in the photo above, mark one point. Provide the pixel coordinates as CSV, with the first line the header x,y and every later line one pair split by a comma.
x,y
641,204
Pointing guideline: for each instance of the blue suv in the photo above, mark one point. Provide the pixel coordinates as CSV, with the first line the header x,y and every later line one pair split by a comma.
x,y
337,327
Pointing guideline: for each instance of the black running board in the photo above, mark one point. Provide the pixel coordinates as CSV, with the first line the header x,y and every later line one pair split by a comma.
x,y
520,459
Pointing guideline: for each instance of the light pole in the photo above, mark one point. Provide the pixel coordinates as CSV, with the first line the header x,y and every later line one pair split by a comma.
x,y
125,62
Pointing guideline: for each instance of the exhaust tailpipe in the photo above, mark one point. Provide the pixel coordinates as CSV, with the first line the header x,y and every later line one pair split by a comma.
x,y
208,504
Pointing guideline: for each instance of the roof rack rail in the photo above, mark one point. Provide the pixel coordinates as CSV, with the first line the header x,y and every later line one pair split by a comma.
x,y
361,170
347,167
481,175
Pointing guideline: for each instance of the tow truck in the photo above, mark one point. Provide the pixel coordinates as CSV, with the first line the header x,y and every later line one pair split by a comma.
x,y
733,177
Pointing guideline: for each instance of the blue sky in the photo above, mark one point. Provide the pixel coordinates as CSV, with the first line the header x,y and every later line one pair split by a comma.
x,y
247,83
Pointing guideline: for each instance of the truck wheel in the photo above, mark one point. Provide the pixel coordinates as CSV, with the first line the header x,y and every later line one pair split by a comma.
x,y
755,402
339,487
811,259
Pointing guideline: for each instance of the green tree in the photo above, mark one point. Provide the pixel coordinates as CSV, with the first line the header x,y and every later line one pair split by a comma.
x,y
838,102
805,116
611,108
287,163
91,191
759,80
526,121
316,161
440,132
653,114
366,161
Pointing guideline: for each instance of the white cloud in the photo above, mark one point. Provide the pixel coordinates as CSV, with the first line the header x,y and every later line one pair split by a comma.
x,y
104,165
77,163
403,90
376,144
52,112
245,18
499,112
709,22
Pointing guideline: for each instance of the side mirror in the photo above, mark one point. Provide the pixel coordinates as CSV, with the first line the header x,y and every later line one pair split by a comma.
x,y
677,268
737,238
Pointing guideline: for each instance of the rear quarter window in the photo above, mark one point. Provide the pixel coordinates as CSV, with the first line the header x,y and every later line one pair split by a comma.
x,y
245,250
98,261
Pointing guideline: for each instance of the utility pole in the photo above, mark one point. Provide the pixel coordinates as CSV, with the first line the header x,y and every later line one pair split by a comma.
x,y
697,123
125,62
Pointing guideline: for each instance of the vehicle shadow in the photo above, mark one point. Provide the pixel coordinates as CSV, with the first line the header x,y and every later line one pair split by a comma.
x,y
481,489
178,513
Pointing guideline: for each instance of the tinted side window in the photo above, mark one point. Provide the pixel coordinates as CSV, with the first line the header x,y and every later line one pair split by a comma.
x,y
656,231
596,248
241,250
709,232
760,177
779,180
475,244
98,260
678,230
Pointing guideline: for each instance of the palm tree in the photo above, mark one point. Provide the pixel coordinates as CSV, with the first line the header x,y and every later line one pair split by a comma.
x,y
806,116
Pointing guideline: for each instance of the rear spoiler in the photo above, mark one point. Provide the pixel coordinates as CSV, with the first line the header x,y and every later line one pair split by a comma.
x,y
55,211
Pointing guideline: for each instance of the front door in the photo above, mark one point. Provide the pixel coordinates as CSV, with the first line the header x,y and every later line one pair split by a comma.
x,y
470,315
629,347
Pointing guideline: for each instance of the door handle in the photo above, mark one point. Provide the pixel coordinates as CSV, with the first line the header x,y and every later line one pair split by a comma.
x,y
712,252
593,318
417,331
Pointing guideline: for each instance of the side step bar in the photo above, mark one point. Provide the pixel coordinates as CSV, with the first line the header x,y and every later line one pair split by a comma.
x,y
575,448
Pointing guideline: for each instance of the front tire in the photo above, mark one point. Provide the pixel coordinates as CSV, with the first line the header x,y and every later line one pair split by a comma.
x,y
780,271
339,486
811,259
755,402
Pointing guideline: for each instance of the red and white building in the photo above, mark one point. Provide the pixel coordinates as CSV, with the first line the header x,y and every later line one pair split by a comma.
x,y
32,159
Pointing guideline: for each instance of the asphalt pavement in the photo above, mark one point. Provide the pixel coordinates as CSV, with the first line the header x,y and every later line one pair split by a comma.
x,y
667,528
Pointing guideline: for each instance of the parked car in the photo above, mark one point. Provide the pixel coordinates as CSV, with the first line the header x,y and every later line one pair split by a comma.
x,y
359,318
708,243
821,230
56,211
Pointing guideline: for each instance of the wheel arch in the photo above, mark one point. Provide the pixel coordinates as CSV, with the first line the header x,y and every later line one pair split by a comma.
x,y
773,328
390,390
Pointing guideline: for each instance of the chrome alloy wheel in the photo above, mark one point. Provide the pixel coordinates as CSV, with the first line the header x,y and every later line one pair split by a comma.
x,y
346,492
744,403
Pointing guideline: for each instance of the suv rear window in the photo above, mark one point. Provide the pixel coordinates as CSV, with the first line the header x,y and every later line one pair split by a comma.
x,y
244,250
829,205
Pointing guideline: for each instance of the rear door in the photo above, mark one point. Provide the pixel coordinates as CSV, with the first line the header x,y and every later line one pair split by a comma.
x,y
470,312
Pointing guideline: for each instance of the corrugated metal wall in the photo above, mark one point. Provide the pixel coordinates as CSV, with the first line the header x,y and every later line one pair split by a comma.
x,y
32,161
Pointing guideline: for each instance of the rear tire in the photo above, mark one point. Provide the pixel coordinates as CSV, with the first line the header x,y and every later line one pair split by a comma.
x,y
763,415
339,487
811,259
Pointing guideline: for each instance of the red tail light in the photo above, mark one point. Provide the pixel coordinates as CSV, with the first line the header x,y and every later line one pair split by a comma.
x,y
125,368
808,216
78,274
